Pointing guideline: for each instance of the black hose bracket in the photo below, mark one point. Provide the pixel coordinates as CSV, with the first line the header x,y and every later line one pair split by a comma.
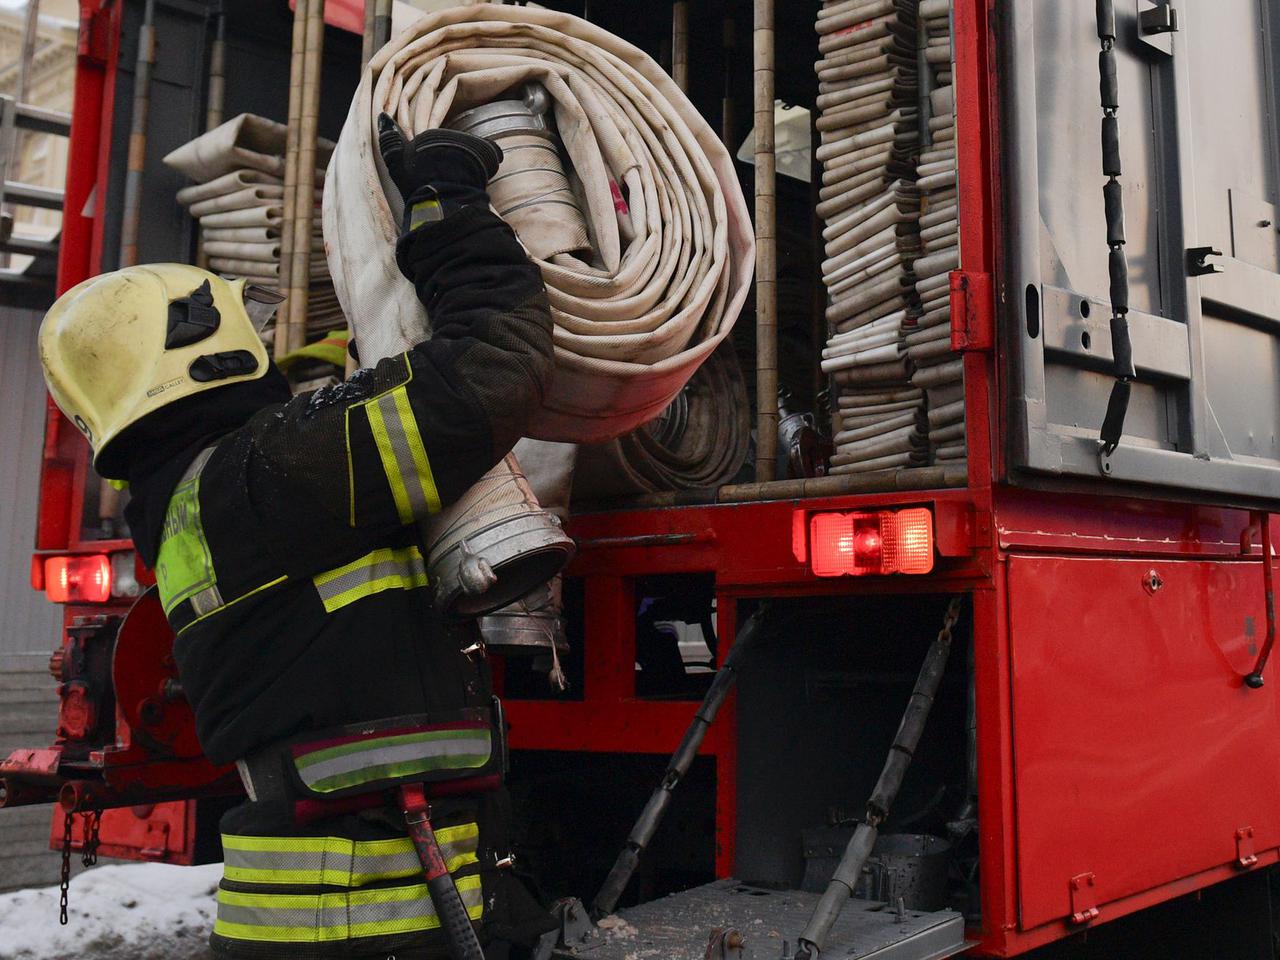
x,y
1117,262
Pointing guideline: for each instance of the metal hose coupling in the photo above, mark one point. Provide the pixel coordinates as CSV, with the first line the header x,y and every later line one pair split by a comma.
x,y
531,189
493,545
533,626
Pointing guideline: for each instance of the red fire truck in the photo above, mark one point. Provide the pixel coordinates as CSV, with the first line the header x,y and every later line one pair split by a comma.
x,y
1101,757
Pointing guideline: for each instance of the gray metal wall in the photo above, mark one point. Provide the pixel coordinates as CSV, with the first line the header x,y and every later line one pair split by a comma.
x,y
29,624
28,712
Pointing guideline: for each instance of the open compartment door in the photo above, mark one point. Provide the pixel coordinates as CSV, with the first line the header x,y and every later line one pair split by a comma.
x,y
1200,148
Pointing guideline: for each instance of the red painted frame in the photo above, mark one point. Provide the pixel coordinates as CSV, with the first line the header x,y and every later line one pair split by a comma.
x,y
748,546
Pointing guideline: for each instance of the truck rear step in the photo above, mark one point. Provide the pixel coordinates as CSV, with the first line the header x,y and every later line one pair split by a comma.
x,y
681,926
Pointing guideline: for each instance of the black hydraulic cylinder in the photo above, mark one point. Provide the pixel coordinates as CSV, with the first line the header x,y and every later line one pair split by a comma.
x,y
855,855
647,823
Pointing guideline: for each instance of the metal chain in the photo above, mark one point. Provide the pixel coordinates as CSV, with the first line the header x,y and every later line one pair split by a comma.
x,y
66,870
92,824
951,618
1117,262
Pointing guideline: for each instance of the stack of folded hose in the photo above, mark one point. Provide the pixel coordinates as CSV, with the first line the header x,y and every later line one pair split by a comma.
x,y
870,132
938,371
238,197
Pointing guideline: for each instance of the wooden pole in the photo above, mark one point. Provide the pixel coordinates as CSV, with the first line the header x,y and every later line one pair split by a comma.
x,y
381,25
370,18
304,200
728,121
215,101
217,73
680,44
766,248
297,53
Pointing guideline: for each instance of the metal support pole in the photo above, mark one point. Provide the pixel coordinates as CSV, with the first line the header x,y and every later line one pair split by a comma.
x,y
11,138
766,248
109,501
680,44
30,34
138,137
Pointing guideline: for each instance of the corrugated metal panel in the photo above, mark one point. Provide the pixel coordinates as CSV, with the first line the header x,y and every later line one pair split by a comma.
x,y
29,623
28,712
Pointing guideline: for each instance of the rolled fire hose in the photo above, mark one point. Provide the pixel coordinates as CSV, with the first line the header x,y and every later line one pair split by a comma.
x,y
700,440
656,287
671,240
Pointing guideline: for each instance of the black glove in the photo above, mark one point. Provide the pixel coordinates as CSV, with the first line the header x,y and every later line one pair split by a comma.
x,y
438,172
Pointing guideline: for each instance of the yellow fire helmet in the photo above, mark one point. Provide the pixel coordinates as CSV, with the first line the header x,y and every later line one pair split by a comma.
x,y
122,345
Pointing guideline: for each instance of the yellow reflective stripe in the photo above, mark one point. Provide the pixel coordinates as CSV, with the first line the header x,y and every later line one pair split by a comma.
x,y
232,603
463,831
386,568
361,848
422,466
389,465
401,450
295,844
412,903
339,859
351,467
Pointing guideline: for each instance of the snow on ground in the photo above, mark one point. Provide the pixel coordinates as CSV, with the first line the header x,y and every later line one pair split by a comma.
x,y
135,911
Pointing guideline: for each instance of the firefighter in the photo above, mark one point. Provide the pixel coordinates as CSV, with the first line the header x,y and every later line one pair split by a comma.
x,y
282,533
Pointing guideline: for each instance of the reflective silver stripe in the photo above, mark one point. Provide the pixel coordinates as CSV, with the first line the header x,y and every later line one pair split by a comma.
x,y
197,465
466,745
404,456
206,601
409,567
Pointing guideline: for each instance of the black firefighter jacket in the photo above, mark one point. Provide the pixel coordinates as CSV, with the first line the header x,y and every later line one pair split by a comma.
x,y
292,572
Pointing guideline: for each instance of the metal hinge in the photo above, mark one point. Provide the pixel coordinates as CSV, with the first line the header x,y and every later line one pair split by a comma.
x,y
1157,22
1245,857
1158,17
1084,899
972,311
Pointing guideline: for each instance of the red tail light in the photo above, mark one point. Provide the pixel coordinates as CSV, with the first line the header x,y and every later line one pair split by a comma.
x,y
85,579
881,542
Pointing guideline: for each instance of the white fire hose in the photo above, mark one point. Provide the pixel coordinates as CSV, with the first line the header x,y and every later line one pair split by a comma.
x,y
647,260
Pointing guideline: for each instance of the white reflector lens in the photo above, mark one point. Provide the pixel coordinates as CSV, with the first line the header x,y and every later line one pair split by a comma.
x,y
908,540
